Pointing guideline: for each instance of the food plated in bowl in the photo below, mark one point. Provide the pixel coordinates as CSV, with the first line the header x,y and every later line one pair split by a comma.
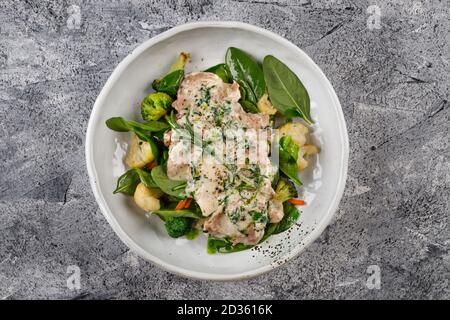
x,y
200,161
244,205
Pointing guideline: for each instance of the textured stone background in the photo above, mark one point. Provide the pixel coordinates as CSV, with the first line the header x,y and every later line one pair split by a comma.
x,y
393,84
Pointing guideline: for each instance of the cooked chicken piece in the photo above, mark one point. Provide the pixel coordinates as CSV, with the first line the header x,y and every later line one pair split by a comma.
x,y
178,164
276,212
253,236
255,121
167,138
219,225
234,199
193,88
207,197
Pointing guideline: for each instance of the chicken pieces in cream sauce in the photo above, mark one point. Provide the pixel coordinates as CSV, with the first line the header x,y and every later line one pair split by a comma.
x,y
232,188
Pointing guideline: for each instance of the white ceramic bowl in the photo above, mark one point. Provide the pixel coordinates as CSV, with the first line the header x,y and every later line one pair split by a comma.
x,y
121,96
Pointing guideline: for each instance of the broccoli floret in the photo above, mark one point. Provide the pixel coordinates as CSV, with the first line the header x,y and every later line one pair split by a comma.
x,y
178,226
155,105
285,190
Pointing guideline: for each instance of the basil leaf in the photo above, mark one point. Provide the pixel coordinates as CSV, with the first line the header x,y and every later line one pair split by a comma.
x,y
291,215
286,91
117,124
243,67
152,126
169,84
288,152
146,178
222,71
166,213
128,182
174,188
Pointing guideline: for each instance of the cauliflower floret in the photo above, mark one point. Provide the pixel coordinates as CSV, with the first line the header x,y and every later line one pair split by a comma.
x,y
265,107
147,199
305,151
296,131
139,153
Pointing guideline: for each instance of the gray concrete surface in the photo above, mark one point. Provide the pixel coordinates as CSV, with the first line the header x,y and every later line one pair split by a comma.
x,y
392,81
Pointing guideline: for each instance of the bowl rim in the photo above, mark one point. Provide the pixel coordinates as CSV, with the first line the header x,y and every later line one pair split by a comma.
x,y
92,173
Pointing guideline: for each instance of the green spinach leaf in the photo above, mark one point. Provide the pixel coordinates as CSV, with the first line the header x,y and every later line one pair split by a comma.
x,y
121,125
146,178
222,71
168,213
288,152
291,215
140,129
174,188
128,182
224,246
117,124
151,126
286,91
244,68
249,106
145,137
246,92
169,84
